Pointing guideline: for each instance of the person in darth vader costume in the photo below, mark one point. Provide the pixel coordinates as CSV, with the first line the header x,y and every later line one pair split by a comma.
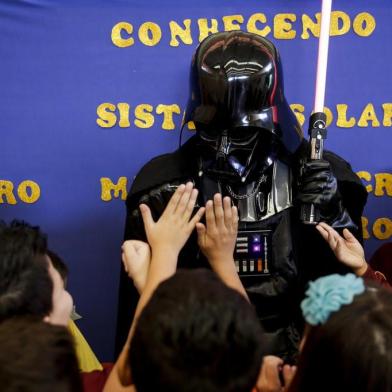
x,y
249,146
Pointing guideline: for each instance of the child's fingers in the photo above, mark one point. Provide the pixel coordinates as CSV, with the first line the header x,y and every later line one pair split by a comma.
x,y
124,261
328,233
234,217
349,236
333,235
172,205
146,216
199,214
288,373
322,231
340,244
184,199
218,209
324,225
201,231
210,216
136,245
329,229
227,211
191,204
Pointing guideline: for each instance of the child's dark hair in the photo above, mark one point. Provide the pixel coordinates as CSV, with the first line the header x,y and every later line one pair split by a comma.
x,y
25,284
196,334
37,357
352,351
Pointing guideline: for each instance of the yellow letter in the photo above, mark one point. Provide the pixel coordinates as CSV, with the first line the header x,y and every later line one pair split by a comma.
x,y
342,117
228,22
382,228
365,231
35,191
107,187
282,26
117,39
364,24
298,110
387,122
309,24
107,118
367,115
383,184
251,25
184,33
144,118
336,17
150,33
204,29
123,108
168,111
6,189
364,175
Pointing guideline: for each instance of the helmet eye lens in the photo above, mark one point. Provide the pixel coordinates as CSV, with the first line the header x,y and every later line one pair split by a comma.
x,y
243,135
237,136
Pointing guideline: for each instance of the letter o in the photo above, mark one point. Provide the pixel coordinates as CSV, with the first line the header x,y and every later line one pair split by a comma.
x,y
364,24
30,196
150,33
382,228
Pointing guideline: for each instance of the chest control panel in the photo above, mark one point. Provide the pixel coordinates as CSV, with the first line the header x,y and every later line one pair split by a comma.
x,y
252,253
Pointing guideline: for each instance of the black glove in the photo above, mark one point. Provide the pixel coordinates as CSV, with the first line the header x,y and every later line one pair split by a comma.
x,y
318,185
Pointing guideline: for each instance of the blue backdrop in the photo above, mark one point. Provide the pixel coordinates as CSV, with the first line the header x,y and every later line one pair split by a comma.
x,y
92,89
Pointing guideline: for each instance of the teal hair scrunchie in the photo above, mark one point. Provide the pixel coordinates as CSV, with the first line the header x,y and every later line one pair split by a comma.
x,y
327,294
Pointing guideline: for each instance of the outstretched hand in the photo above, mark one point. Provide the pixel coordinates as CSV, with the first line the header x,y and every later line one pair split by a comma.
x,y
346,248
217,239
170,233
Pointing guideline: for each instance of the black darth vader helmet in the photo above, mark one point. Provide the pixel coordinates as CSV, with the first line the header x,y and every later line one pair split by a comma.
x,y
237,102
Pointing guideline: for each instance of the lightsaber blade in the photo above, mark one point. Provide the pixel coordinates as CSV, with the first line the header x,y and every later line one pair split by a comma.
x,y
322,60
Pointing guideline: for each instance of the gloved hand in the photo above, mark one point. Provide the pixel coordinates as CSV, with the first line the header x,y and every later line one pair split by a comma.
x,y
318,185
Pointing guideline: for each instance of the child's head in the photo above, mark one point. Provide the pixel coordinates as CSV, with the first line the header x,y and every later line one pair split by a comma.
x,y
349,345
37,357
29,285
196,334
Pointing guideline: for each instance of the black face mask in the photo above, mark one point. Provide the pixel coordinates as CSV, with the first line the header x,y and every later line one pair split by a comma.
x,y
236,155
236,86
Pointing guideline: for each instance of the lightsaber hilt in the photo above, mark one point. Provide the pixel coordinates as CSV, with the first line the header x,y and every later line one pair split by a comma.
x,y
310,214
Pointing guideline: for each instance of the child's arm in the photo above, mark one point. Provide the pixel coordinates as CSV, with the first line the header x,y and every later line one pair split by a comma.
x,y
166,237
217,240
349,251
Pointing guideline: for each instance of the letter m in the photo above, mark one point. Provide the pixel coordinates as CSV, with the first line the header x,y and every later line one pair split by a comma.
x,y
110,190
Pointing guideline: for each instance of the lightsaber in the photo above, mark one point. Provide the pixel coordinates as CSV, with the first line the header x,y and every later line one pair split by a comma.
x,y
317,121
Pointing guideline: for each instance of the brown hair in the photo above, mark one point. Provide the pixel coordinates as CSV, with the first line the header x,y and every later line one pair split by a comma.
x,y
37,357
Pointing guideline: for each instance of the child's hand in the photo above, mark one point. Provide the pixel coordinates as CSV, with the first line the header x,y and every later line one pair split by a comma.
x,y
347,249
269,379
217,240
136,257
170,233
